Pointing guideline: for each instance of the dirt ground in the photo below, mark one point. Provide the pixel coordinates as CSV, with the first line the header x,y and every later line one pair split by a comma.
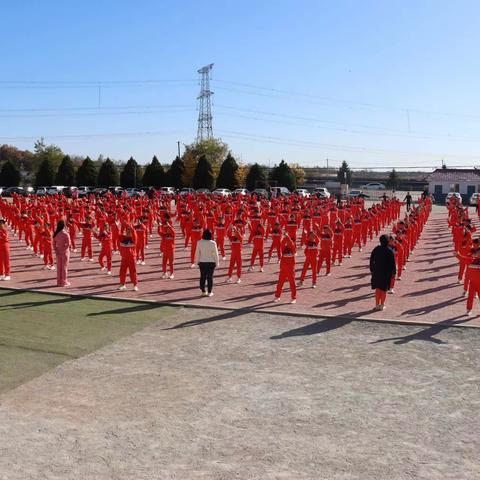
x,y
204,394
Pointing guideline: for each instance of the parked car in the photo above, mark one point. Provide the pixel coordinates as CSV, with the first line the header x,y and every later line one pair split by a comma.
x,y
1,190
69,191
187,191
8,192
279,192
302,192
321,192
474,198
356,194
222,192
84,191
241,191
41,191
167,190
116,191
454,194
204,191
134,192
54,190
373,186
261,192
100,191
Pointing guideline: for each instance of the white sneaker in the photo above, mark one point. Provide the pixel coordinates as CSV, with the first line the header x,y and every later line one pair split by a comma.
x,y
135,288
261,269
204,294
239,280
82,259
109,272
276,299
103,269
90,259
314,285
210,294
391,290
251,269
172,276
142,263
293,301
224,258
328,274
7,278
469,312
122,287
192,265
74,250
229,280
67,284
165,275
52,267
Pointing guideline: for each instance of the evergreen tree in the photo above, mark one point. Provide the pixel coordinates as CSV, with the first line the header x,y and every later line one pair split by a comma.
x,y
45,174
203,176
131,175
393,180
256,178
154,175
227,176
344,174
282,176
65,173
108,175
87,173
175,174
9,175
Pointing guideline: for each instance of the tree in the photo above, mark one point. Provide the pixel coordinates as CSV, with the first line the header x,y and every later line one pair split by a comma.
x,y
108,175
344,174
203,176
65,173
283,176
154,175
299,173
50,152
256,177
23,160
212,148
87,173
393,180
227,176
9,175
241,175
131,175
173,177
45,174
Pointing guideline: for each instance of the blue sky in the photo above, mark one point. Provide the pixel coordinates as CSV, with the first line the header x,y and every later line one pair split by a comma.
x,y
377,83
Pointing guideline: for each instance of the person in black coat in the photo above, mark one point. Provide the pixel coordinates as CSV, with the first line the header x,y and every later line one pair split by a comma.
x,y
382,267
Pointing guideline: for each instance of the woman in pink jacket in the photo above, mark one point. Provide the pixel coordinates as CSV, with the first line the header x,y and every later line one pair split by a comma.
x,y
61,245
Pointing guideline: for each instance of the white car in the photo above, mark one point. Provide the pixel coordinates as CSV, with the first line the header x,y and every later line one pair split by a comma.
x,y
167,190
241,191
302,192
373,186
321,192
454,194
474,198
222,192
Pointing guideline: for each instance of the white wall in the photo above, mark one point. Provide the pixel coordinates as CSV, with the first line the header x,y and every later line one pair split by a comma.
x,y
446,186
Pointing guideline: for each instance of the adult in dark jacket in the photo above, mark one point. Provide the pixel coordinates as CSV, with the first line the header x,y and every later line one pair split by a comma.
x,y
382,267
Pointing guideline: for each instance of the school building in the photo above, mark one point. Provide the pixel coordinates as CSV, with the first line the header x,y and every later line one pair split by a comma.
x,y
445,180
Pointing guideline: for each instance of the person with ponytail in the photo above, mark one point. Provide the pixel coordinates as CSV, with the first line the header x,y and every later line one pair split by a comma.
x,y
61,245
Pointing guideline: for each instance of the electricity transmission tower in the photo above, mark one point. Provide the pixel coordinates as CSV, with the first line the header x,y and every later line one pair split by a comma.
x,y
204,129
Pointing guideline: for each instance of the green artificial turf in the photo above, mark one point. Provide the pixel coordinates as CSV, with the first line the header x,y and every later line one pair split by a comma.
x,y
39,331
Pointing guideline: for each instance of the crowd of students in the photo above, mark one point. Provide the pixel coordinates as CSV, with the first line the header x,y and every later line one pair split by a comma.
x,y
466,249
326,230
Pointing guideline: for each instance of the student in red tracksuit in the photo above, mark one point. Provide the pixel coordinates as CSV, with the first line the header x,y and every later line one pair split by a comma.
x,y
325,249
168,248
473,272
287,268
105,239
4,251
357,233
127,254
87,228
258,245
276,233
142,235
235,236
338,242
220,231
311,255
37,237
47,247
348,238
195,236
72,231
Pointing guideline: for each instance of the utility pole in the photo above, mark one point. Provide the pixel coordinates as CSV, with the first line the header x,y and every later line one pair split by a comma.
x,y
204,129
178,148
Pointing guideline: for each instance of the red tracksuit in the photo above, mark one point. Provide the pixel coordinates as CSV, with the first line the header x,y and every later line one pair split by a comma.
x,y
127,253
311,254
236,240
258,244
325,251
4,252
287,268
168,248
105,238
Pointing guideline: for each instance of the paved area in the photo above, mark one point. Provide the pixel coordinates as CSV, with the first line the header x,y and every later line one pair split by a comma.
x,y
215,395
428,292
